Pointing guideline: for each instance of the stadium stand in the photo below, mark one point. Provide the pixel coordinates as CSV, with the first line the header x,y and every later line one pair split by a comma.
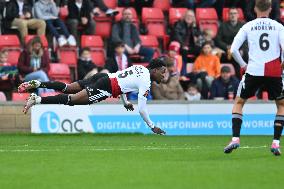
x,y
154,20
20,96
59,72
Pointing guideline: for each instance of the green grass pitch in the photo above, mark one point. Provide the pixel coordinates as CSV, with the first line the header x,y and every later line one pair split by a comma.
x,y
136,161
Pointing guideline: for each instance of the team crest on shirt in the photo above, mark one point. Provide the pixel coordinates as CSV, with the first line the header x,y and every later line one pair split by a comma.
x,y
146,94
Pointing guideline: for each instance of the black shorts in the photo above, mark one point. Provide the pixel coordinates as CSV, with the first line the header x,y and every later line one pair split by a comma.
x,y
250,84
98,87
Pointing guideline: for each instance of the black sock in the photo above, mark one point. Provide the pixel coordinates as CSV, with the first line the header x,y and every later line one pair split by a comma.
x,y
237,120
56,85
278,126
57,99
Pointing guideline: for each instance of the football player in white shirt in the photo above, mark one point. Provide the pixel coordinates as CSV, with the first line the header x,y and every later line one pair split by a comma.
x,y
101,86
264,69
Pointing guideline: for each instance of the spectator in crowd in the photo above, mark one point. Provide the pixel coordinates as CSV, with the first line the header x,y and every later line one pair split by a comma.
x,y
169,88
47,10
225,37
192,93
208,37
86,67
119,61
80,15
274,14
206,68
127,32
173,54
99,5
34,62
186,33
19,15
225,86
9,76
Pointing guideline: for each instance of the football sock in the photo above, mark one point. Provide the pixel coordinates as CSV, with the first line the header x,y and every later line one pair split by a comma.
x,y
237,120
278,126
276,142
56,85
57,99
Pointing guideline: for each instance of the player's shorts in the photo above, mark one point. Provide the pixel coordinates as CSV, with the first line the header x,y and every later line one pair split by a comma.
x,y
98,87
250,84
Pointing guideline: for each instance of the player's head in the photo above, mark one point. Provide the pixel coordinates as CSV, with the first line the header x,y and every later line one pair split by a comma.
x,y
262,7
157,68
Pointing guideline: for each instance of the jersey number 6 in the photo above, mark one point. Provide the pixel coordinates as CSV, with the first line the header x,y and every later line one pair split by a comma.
x,y
263,43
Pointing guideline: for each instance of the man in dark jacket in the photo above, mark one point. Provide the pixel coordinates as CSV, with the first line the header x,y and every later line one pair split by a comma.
x,y
225,86
80,16
119,61
127,32
186,33
226,33
19,15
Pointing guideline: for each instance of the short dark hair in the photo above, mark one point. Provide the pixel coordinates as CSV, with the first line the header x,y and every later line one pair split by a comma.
x,y
157,63
263,5
119,44
84,49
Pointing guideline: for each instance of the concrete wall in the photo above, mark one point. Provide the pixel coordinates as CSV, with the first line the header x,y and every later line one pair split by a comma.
x,y
12,118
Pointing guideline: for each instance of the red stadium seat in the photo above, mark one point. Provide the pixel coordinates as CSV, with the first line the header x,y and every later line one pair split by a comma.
x,y
96,44
59,72
9,41
63,13
153,18
103,28
152,15
176,14
69,56
164,5
42,37
111,3
206,14
151,41
92,41
225,14
20,96
156,29
13,56
98,57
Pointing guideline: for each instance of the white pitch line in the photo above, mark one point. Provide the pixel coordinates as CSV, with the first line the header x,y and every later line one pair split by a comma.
x,y
117,149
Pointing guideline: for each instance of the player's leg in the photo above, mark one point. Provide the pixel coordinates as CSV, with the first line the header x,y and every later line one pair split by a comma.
x,y
275,92
55,85
247,88
60,86
237,120
93,93
278,127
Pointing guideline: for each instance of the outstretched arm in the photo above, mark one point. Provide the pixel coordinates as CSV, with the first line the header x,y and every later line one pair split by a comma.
x,y
127,105
145,115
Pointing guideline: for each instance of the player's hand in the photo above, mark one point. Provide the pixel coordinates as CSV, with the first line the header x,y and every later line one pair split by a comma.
x,y
158,131
129,106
